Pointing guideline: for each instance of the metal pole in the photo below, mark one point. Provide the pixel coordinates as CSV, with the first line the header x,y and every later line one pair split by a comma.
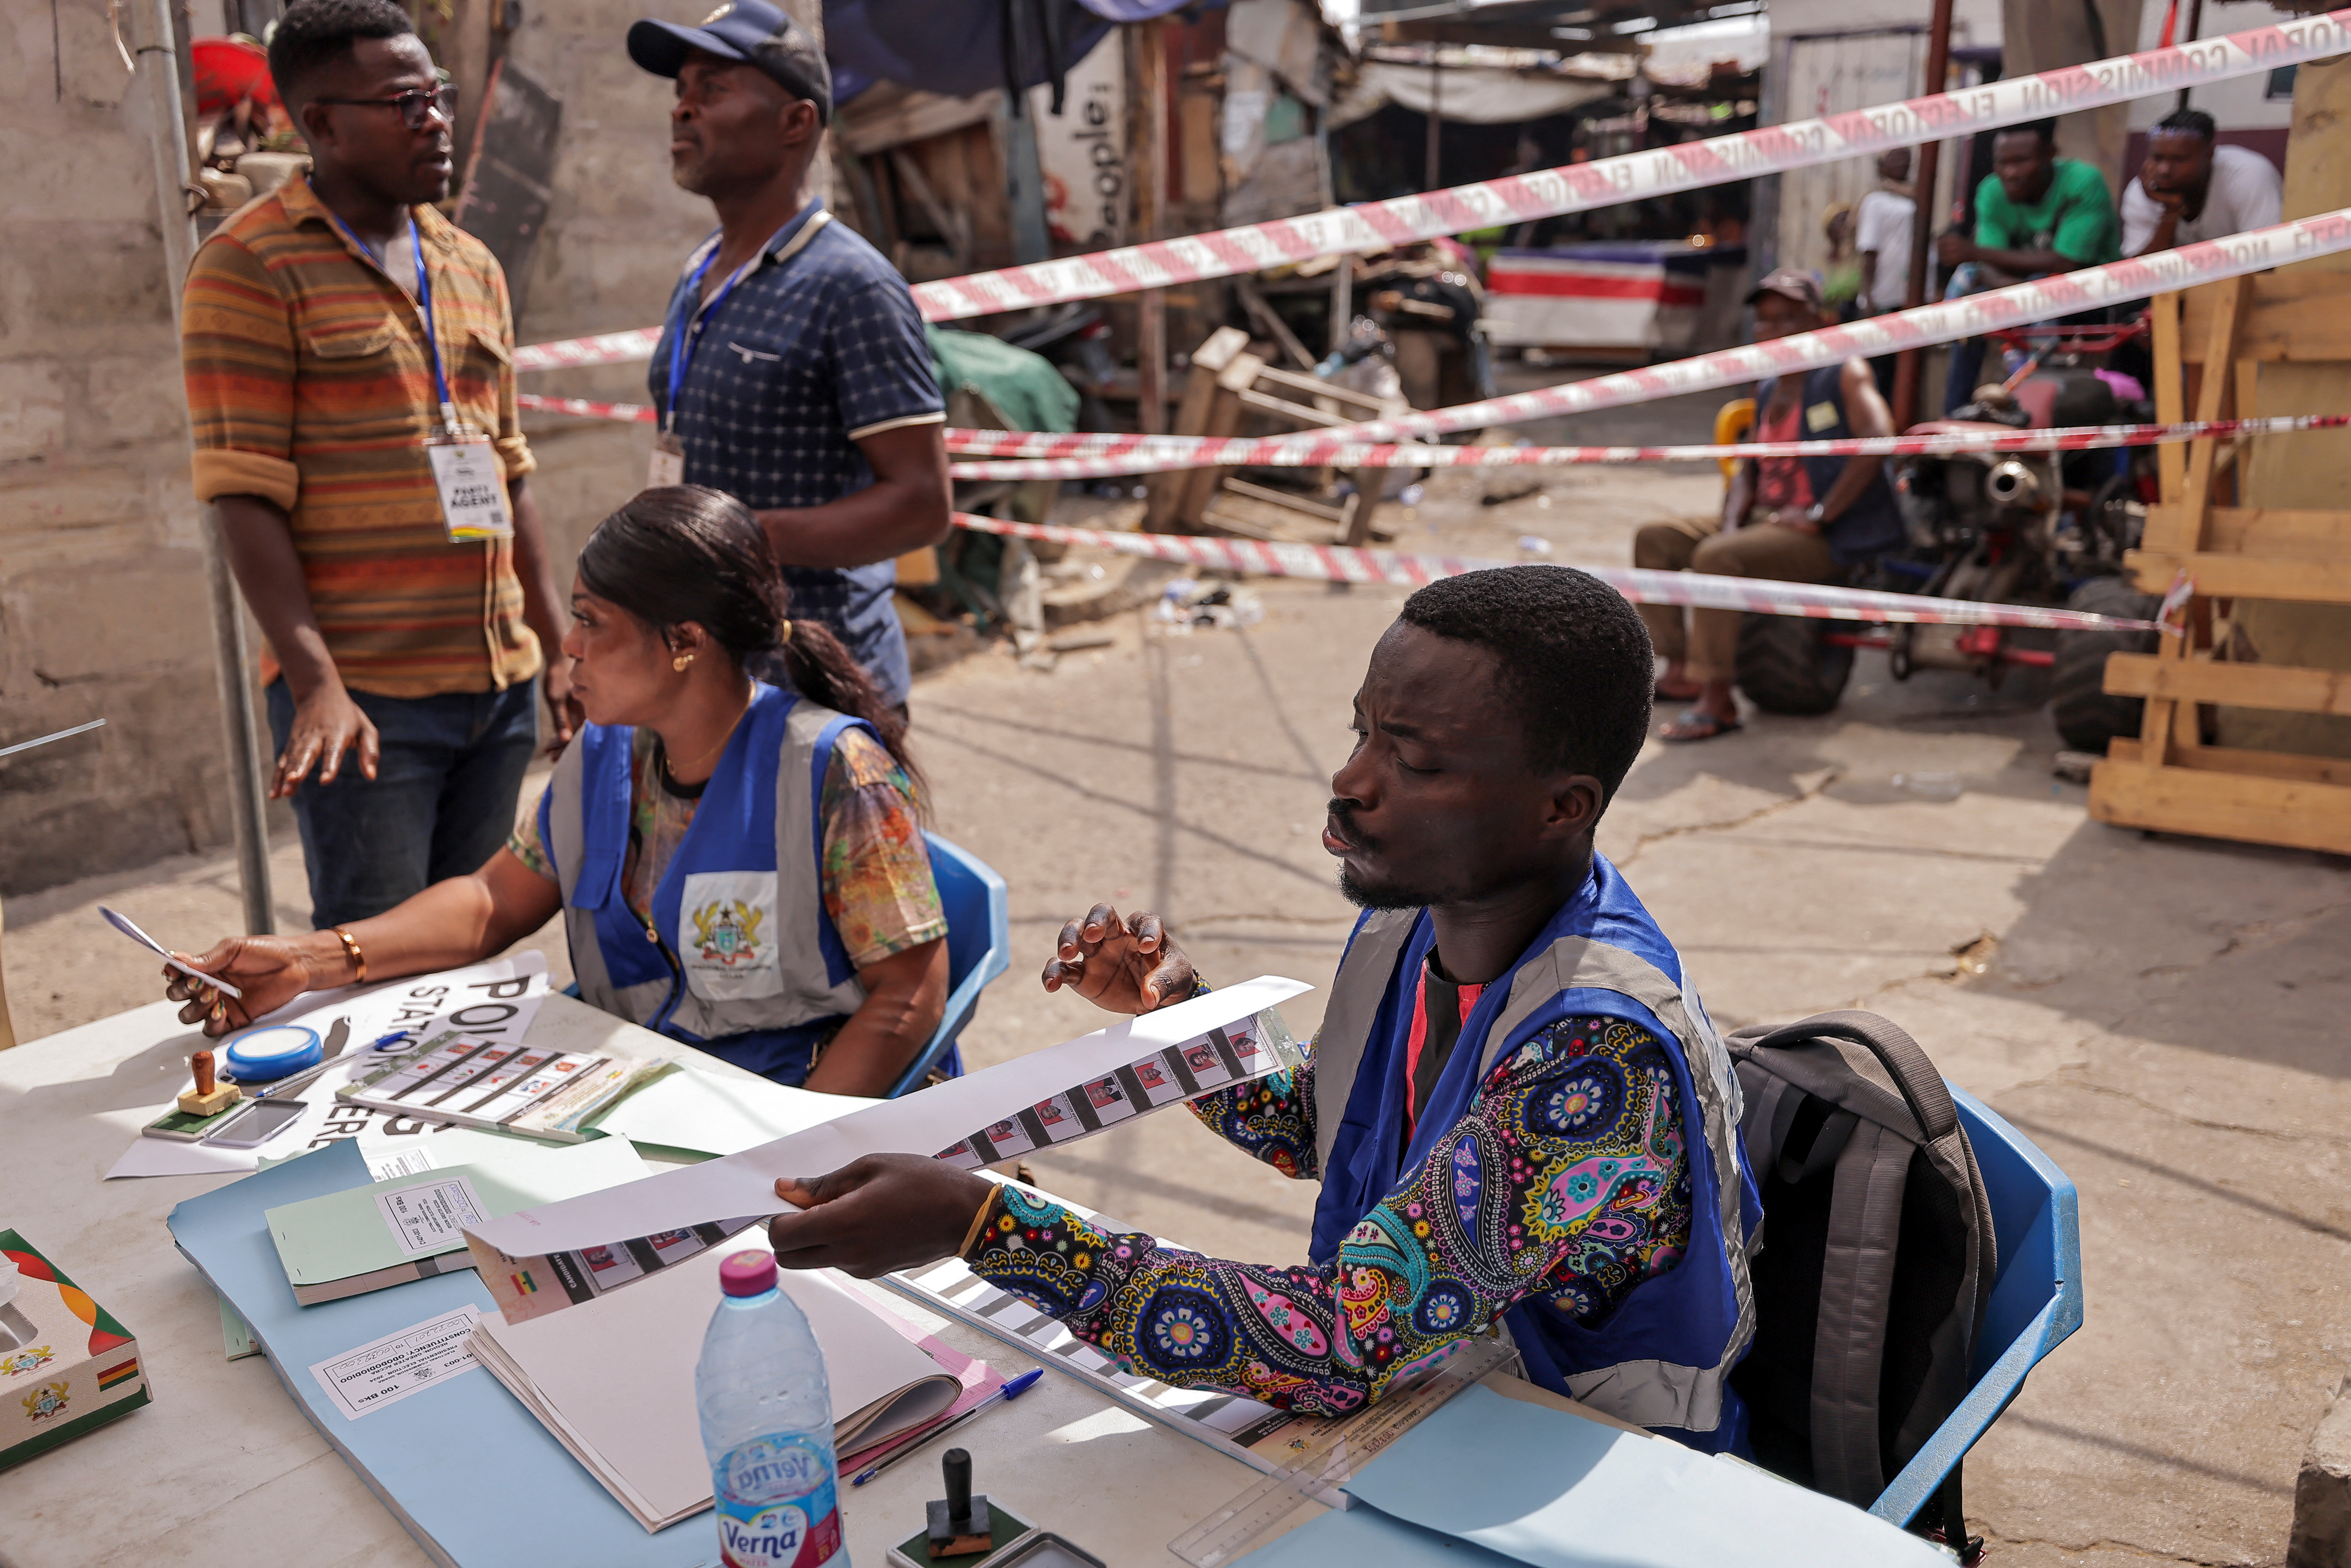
x,y
1923,215
1435,119
1149,77
2195,27
159,72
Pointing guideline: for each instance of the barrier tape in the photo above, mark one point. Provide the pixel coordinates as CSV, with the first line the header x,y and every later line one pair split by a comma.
x,y
1315,451
1577,187
2018,305
1339,563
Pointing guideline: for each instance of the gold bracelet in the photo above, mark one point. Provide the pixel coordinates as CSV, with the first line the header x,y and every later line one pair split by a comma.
x,y
358,958
978,1223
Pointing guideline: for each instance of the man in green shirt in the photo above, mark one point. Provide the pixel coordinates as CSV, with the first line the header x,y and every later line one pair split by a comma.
x,y
2037,215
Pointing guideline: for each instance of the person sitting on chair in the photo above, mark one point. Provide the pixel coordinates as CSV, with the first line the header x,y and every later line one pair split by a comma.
x,y
739,867
1516,1106
1787,518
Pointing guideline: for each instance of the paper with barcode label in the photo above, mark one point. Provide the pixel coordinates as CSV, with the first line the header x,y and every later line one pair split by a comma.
x,y
388,1370
431,1217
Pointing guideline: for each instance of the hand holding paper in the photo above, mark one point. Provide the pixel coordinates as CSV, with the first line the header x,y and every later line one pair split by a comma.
x,y
877,1215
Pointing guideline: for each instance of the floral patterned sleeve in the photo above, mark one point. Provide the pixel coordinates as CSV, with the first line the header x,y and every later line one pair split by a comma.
x,y
1270,1118
1566,1181
877,868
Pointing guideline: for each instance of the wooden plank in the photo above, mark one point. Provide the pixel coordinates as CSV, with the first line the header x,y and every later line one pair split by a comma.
x,y
1282,408
2301,315
886,115
2263,764
2280,686
2228,301
2243,576
2170,408
2256,531
2291,812
1169,490
1287,498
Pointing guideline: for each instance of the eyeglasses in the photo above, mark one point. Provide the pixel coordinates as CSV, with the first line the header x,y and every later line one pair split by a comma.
x,y
413,105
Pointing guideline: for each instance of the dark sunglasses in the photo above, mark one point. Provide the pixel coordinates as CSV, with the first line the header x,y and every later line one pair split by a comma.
x,y
413,105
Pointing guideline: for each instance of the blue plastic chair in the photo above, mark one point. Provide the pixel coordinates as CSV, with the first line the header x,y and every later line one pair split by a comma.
x,y
979,948
2035,1303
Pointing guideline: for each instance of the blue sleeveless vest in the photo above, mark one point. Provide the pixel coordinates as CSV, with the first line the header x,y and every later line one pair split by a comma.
x,y
1663,1358
748,966
1872,524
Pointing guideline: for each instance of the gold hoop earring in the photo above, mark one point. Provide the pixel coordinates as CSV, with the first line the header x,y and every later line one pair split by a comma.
x,y
681,661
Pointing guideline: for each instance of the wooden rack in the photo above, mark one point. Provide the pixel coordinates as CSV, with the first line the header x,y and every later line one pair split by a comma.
x,y
2210,344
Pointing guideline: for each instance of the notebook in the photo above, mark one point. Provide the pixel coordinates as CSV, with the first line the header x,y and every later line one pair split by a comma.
x,y
614,1381
411,1227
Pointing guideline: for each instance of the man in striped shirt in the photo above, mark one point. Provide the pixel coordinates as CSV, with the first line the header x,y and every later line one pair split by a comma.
x,y
333,334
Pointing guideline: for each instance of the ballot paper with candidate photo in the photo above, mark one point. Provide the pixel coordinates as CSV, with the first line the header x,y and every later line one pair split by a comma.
x,y
493,1000
546,1259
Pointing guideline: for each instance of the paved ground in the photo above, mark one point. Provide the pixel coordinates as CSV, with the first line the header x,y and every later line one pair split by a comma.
x,y
2163,1016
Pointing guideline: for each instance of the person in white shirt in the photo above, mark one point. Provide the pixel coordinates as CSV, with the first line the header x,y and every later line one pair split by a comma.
x,y
1883,235
2190,190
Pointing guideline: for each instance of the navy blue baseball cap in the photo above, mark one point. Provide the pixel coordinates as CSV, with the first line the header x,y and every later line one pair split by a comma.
x,y
751,31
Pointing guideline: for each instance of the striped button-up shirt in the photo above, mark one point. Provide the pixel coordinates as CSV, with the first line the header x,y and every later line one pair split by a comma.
x,y
309,385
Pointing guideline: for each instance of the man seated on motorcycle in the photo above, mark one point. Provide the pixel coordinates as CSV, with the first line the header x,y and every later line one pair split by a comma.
x,y
1789,519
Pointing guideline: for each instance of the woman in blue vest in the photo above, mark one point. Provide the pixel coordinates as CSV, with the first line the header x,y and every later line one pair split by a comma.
x,y
1516,1107
739,867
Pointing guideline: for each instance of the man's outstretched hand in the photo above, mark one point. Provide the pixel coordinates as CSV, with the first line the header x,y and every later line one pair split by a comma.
x,y
877,1215
1129,966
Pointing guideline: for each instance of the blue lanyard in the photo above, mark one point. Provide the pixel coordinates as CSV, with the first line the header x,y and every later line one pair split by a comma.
x,y
425,302
688,333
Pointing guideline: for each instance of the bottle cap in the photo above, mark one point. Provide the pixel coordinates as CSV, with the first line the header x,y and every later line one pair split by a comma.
x,y
748,1273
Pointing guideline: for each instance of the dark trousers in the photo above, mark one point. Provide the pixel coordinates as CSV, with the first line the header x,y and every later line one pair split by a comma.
x,y
442,802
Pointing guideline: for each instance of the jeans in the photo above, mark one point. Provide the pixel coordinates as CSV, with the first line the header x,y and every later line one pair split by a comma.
x,y
442,802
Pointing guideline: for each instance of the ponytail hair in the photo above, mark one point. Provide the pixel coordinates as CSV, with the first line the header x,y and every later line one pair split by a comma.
x,y
685,552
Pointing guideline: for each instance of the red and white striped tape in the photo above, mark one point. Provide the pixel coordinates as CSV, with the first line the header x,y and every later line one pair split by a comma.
x,y
2018,305
1337,563
1316,451
1576,187
586,408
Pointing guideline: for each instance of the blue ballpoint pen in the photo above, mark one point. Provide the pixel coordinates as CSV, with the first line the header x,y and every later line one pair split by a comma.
x,y
1012,1390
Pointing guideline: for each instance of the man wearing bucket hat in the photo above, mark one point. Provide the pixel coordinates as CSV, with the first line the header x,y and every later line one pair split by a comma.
x,y
1791,520
792,371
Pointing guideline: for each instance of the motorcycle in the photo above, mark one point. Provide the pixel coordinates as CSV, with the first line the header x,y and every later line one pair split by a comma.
x,y
2008,527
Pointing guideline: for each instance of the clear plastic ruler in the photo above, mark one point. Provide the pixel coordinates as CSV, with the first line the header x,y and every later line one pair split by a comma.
x,y
1332,1459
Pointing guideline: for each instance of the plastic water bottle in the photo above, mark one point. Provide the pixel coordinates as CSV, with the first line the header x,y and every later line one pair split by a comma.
x,y
767,1426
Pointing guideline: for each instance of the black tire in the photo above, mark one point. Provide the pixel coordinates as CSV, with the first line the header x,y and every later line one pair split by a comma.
x,y
2086,717
1787,665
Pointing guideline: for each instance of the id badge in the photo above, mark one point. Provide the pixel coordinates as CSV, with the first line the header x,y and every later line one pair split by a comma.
x,y
668,464
473,490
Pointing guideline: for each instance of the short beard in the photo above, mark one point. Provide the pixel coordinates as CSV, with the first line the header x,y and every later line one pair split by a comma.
x,y
1379,896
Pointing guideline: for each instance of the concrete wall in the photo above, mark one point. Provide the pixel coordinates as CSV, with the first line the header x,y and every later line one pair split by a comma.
x,y
103,611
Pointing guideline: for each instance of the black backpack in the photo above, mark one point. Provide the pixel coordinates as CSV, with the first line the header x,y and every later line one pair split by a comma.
x,y
1877,1255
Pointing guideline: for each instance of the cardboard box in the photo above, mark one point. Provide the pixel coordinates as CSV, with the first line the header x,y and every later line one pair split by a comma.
x,y
66,1366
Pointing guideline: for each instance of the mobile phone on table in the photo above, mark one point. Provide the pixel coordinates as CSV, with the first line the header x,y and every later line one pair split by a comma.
x,y
262,1121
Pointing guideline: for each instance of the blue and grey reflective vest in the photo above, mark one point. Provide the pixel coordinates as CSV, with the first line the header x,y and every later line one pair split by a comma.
x,y
748,966
1663,1358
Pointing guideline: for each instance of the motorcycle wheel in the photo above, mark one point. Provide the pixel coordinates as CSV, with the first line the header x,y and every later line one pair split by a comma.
x,y
1787,665
2085,715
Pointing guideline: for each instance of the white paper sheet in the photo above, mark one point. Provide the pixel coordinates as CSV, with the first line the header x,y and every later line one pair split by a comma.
x,y
687,1109
385,1371
498,1000
923,1122
431,1219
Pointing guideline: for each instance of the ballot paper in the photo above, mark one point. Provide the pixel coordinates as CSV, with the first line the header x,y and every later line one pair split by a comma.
x,y
385,1371
542,1260
615,1383
497,999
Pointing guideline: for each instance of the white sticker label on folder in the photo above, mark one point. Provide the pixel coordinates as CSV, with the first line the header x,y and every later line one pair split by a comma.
x,y
432,1218
385,1371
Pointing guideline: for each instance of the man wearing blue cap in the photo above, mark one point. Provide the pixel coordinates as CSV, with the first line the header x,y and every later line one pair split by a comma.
x,y
792,372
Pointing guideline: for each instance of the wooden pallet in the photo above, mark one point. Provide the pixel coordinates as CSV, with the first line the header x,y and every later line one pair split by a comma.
x,y
1230,387
2210,344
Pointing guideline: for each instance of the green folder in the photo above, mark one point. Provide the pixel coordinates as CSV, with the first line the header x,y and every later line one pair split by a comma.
x,y
412,1226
